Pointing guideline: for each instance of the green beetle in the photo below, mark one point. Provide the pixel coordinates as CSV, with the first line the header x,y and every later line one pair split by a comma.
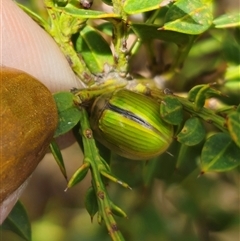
x,y
129,124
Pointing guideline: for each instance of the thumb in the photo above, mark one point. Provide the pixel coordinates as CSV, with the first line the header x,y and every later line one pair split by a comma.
x,y
26,46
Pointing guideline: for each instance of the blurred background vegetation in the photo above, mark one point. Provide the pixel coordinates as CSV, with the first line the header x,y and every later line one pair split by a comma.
x,y
176,204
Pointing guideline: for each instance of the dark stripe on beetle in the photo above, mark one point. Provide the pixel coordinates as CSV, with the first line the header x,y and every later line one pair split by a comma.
x,y
129,115
133,117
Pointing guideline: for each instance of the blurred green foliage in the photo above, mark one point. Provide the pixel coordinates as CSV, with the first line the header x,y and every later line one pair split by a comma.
x,y
170,199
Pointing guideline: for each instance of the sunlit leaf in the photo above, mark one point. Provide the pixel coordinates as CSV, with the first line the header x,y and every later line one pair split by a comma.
x,y
189,16
228,20
140,6
87,14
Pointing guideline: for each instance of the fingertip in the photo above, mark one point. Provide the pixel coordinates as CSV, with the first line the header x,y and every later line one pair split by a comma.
x,y
26,46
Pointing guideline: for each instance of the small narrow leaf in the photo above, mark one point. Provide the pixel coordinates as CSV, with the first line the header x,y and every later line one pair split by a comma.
x,y
219,154
94,49
140,6
171,110
192,133
79,175
18,222
202,92
58,157
91,202
228,20
111,177
189,16
226,110
118,211
201,98
86,14
233,124
68,113
193,92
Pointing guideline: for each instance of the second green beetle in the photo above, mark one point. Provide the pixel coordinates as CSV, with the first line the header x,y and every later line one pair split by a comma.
x,y
130,125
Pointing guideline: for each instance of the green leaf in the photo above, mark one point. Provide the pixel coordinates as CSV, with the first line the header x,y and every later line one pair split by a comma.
x,y
201,98
18,222
189,16
193,92
118,211
192,133
68,113
106,28
91,202
226,110
86,14
149,32
199,93
58,157
233,124
228,20
140,6
79,175
94,50
171,110
219,154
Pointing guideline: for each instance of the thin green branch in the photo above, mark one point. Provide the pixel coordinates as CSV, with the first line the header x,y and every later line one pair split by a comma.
x,y
182,54
97,167
206,114
61,27
120,35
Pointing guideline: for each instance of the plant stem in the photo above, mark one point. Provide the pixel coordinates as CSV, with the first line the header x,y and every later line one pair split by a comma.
x,y
61,27
205,114
120,35
120,46
182,54
104,203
